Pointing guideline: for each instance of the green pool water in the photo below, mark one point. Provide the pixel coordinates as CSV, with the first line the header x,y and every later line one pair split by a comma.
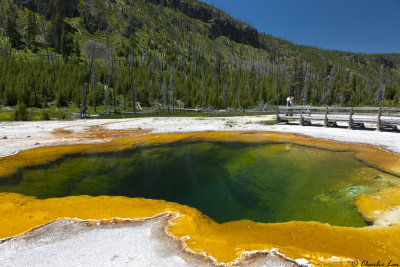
x,y
226,181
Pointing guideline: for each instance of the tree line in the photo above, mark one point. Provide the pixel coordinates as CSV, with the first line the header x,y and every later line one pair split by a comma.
x,y
170,66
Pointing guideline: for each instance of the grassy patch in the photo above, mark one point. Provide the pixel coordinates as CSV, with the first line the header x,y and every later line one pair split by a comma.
x,y
6,114
272,122
230,123
66,113
52,113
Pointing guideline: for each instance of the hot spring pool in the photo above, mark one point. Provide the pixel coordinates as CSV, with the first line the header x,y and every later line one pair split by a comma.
x,y
265,182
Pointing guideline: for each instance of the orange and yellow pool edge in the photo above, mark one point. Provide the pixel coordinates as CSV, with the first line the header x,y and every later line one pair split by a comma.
x,y
225,242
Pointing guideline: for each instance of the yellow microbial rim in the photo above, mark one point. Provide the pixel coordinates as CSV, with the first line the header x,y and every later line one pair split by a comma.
x,y
225,242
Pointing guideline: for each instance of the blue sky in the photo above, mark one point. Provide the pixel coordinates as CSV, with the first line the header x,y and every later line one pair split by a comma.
x,y
368,26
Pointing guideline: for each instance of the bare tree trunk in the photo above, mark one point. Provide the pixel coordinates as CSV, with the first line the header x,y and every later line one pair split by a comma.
x,y
43,26
47,52
193,54
225,95
134,96
277,89
34,88
238,90
111,59
130,81
94,81
164,94
86,92
132,85
203,89
152,88
173,87
380,91
106,88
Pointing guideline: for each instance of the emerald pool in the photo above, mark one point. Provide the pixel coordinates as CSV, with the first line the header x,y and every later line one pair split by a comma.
x,y
264,182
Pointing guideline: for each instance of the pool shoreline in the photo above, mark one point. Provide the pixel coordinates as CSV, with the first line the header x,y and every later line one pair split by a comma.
x,y
315,257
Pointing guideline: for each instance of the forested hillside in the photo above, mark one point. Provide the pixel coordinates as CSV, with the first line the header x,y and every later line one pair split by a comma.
x,y
167,53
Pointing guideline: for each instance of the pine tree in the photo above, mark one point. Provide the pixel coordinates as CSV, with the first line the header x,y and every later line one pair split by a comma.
x,y
77,49
56,24
66,45
12,31
2,15
32,29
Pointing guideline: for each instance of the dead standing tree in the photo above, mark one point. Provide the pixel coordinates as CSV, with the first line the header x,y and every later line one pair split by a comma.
x,y
132,85
94,83
166,94
41,10
153,84
111,69
380,91
203,88
225,97
109,75
6,46
83,112
172,90
134,96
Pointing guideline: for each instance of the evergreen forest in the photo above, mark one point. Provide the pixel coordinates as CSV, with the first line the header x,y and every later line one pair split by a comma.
x,y
125,55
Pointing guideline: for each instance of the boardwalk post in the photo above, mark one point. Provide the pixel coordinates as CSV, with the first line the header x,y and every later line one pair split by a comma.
x,y
378,122
301,117
331,116
277,115
326,123
351,119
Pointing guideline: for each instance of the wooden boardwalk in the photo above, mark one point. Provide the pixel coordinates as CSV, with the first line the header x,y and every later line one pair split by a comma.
x,y
354,117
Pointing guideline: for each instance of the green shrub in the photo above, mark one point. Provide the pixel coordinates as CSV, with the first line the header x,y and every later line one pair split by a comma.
x,y
63,114
20,112
271,122
61,100
10,97
44,115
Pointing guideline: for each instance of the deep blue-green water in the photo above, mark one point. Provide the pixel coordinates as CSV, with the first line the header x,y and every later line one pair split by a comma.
x,y
226,181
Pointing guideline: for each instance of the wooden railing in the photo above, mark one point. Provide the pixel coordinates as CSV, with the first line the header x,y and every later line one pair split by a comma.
x,y
330,116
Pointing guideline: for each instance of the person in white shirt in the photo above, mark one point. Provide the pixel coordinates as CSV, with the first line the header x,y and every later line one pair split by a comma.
x,y
290,101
